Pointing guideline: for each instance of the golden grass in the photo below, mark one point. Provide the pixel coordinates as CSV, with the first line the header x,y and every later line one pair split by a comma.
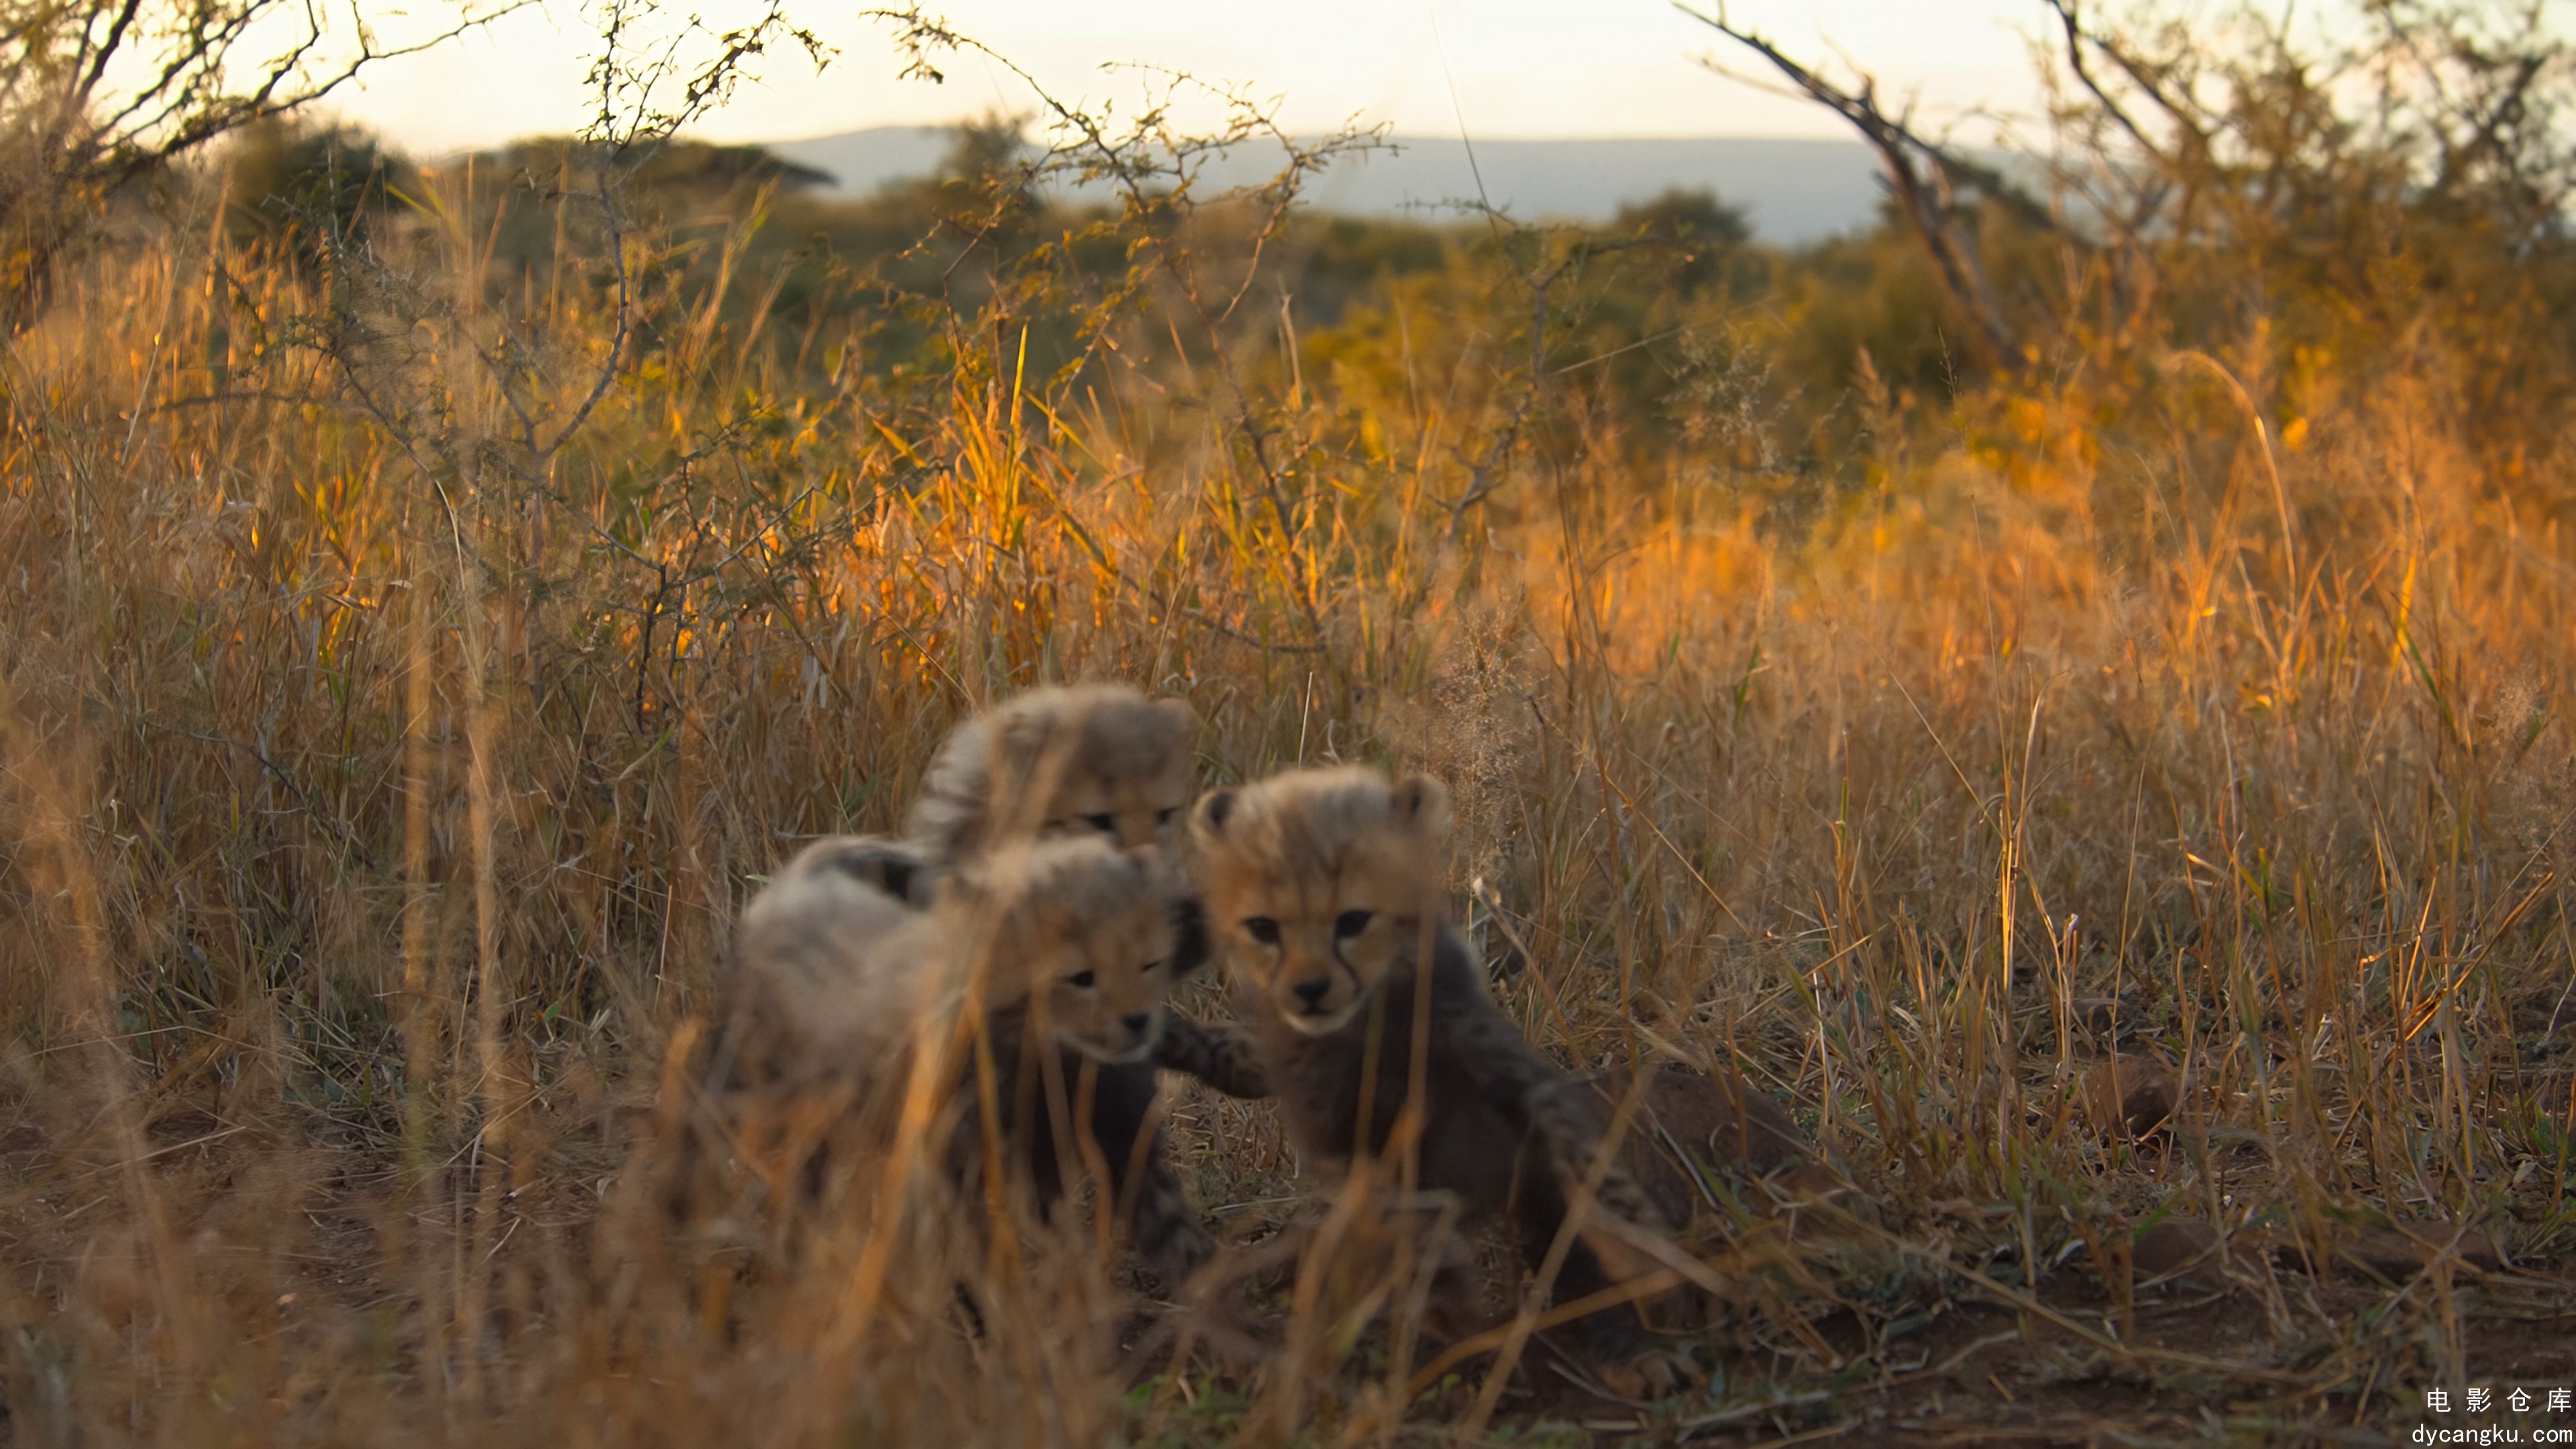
x,y
379,789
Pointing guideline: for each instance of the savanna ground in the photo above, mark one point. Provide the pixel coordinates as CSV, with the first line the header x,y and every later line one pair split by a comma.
x,y
433,599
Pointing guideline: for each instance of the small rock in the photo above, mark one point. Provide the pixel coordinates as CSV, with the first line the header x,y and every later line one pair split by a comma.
x,y
2176,1247
2403,1253
2130,1095
1721,1124
2395,1254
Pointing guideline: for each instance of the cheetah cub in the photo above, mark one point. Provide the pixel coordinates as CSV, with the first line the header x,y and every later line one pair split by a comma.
x,y
826,961
1082,760
1084,934
1065,947
1321,887
824,978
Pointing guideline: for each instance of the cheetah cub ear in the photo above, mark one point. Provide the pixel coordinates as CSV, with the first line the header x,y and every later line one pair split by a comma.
x,y
1207,822
1422,803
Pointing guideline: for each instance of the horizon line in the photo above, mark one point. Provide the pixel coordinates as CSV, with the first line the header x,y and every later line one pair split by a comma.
x,y
1479,139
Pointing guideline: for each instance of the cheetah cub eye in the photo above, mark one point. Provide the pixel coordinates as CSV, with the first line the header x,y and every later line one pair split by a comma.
x,y
1105,824
1083,979
1262,929
1351,923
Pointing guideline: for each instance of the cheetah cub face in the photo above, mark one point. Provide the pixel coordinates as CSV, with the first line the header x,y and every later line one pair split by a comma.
x,y
1317,883
1095,759
1079,931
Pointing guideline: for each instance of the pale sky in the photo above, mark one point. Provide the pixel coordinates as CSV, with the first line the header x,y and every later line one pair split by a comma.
x,y
1508,68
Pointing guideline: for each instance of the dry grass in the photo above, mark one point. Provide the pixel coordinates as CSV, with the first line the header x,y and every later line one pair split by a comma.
x,y
379,790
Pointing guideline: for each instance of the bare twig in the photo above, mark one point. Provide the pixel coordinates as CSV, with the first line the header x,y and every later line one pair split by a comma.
x,y
1924,195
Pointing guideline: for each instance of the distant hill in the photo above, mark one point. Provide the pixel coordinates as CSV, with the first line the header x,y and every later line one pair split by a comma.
x,y
1795,191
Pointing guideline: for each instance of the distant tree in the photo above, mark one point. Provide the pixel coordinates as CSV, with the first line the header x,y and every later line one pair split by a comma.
x,y
1698,229
991,149
2184,143
320,186
986,187
96,93
696,166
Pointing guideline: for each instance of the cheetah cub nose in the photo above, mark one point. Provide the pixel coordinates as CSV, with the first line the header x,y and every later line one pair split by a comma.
x,y
1312,989
1137,1021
